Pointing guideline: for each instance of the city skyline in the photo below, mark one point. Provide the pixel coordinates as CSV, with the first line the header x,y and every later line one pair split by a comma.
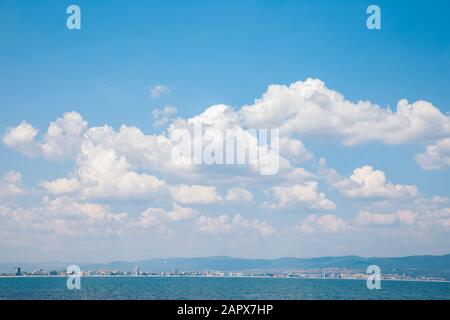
x,y
415,268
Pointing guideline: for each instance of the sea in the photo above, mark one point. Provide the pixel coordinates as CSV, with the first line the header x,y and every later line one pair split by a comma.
x,y
212,288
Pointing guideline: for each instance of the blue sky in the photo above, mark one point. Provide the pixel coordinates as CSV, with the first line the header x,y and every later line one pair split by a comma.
x,y
223,52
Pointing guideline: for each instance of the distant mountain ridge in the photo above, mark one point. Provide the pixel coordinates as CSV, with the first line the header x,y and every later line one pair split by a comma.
x,y
413,265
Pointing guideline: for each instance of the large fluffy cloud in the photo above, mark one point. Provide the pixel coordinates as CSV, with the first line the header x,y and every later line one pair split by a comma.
x,y
64,136
107,164
365,182
106,174
225,141
311,108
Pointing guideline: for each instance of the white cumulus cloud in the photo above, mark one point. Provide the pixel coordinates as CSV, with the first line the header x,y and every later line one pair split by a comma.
x,y
365,182
105,174
310,108
436,156
367,218
223,224
22,138
195,194
61,186
61,141
322,224
306,194
239,195
63,136
10,184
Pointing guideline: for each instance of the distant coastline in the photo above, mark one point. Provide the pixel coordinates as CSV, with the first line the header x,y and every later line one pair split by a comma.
x,y
212,277
412,268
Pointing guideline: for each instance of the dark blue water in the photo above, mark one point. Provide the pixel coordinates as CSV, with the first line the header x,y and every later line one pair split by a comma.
x,y
216,288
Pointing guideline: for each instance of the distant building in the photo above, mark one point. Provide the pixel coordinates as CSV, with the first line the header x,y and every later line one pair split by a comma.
x,y
137,271
18,271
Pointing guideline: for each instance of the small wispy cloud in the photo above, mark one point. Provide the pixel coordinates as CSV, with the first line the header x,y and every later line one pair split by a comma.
x,y
163,116
158,90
